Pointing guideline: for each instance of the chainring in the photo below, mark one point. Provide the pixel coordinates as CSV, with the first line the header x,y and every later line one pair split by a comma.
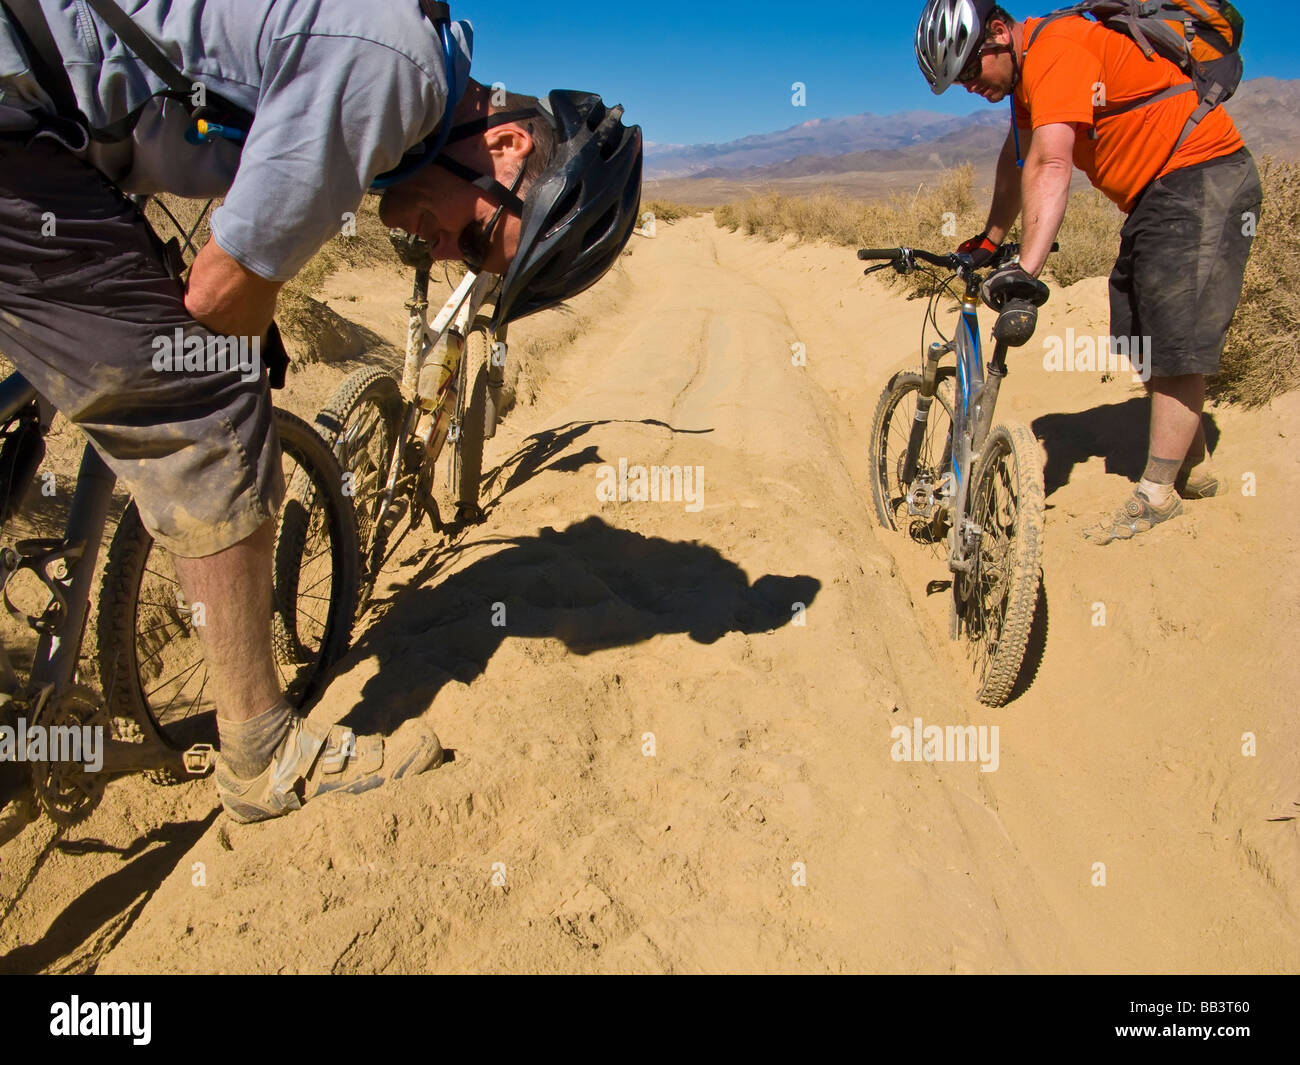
x,y
66,791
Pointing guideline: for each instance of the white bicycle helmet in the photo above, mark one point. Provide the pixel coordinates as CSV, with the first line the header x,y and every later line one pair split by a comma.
x,y
947,36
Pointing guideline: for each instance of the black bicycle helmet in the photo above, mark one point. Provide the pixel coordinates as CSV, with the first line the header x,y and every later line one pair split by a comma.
x,y
580,212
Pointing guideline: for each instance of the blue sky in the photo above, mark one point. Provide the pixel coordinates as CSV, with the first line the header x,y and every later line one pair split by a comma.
x,y
721,69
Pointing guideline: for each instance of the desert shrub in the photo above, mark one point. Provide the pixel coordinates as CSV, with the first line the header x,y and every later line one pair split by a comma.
x,y
935,217
1262,357
928,218
1089,239
666,211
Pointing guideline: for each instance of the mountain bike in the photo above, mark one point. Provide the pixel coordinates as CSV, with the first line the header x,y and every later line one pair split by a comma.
x,y
388,437
945,475
145,685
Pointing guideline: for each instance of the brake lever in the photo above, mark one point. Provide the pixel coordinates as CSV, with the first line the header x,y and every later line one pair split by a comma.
x,y
878,266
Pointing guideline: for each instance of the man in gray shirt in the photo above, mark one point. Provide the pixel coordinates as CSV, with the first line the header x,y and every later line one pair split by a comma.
x,y
343,98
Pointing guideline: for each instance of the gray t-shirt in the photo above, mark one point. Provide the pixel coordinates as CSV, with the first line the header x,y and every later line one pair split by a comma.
x,y
341,89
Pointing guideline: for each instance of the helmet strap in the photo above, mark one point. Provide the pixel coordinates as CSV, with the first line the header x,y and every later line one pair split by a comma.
x,y
492,189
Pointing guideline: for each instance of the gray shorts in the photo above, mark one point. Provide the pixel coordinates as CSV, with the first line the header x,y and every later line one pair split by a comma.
x,y
87,305
1182,262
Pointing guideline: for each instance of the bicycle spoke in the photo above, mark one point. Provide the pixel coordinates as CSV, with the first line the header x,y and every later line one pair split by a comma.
x,y
312,618
186,670
198,698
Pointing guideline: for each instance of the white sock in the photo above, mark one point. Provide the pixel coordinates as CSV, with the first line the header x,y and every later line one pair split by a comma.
x,y
1157,494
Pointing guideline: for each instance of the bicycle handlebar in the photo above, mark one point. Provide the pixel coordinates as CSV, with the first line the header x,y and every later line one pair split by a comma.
x,y
950,261
900,253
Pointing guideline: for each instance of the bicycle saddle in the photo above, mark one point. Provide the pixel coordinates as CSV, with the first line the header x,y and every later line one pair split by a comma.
x,y
1012,283
1016,296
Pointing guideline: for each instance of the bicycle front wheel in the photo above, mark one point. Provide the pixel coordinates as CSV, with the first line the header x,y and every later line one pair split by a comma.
x,y
997,611
891,433
151,662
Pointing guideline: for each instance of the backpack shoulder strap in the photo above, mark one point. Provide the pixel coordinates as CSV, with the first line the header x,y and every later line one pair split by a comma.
x,y
1052,16
142,46
34,34
28,21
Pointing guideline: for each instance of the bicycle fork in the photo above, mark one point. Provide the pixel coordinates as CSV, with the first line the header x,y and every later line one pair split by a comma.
x,y
924,401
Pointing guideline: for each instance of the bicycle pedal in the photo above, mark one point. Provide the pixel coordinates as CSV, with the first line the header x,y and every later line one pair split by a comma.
x,y
199,759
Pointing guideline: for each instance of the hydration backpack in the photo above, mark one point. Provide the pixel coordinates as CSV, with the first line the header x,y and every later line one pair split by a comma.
x,y
212,115
1201,37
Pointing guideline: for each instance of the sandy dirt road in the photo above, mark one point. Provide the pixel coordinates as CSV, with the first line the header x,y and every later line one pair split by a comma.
x,y
675,753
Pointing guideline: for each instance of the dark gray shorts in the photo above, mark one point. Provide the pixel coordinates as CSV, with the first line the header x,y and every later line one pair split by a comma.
x,y
82,311
1182,261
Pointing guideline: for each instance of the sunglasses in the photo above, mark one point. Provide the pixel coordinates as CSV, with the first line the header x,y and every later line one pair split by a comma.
x,y
974,67
475,243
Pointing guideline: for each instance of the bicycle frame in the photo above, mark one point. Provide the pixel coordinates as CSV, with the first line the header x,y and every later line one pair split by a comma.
x,y
66,566
970,383
976,399
458,317
977,395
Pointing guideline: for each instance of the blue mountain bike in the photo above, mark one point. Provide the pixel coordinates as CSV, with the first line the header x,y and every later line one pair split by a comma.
x,y
945,475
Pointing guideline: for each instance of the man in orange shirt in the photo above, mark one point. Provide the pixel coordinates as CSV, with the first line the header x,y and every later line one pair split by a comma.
x,y
1192,206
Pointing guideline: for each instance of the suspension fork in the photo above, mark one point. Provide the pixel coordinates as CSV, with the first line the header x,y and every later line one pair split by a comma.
x,y
417,307
924,401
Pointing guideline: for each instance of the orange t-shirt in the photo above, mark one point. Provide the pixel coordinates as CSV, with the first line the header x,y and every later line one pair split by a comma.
x,y
1064,73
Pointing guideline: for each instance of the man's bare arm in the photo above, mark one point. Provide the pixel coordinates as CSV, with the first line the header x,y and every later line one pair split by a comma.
x,y
227,297
1046,191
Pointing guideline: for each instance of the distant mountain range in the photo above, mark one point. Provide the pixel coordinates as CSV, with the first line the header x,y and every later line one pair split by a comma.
x,y
822,137
867,154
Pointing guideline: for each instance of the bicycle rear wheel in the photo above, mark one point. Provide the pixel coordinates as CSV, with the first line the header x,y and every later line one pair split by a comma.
x,y
995,604
151,664
891,429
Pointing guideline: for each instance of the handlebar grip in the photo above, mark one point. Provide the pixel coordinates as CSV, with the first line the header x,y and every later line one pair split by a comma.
x,y
880,253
